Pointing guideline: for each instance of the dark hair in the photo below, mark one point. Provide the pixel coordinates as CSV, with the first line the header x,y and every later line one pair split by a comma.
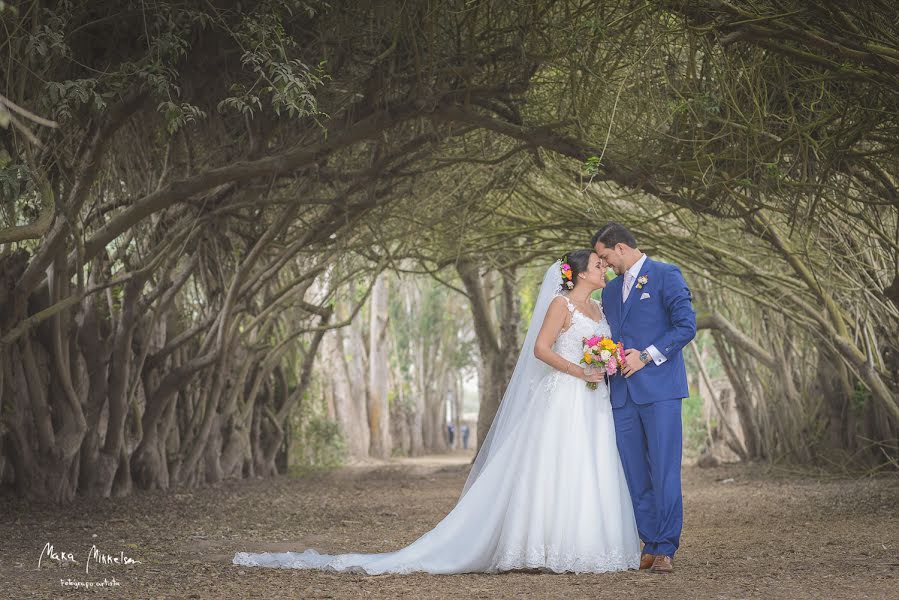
x,y
614,233
578,260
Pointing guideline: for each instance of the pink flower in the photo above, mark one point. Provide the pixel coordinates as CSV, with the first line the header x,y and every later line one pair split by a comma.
x,y
566,267
593,341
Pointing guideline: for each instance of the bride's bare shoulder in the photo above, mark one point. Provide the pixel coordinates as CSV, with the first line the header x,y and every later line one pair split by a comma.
x,y
559,311
559,303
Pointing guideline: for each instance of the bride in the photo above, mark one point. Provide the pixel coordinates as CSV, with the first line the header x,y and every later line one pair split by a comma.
x,y
547,489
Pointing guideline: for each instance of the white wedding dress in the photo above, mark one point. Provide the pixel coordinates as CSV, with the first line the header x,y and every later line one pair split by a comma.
x,y
550,496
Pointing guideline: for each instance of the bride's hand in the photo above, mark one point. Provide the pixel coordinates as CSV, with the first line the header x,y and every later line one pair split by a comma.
x,y
596,375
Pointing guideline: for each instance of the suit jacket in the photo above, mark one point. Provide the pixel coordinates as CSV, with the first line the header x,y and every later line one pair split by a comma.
x,y
660,314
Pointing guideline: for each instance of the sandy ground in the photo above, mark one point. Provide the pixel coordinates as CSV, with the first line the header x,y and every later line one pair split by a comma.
x,y
750,532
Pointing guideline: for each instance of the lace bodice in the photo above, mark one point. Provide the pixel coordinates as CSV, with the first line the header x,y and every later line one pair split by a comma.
x,y
570,343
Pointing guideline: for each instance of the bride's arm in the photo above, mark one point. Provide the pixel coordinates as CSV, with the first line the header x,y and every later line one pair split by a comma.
x,y
555,318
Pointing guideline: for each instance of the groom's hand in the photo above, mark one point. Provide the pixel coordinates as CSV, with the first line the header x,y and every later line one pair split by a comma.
x,y
632,362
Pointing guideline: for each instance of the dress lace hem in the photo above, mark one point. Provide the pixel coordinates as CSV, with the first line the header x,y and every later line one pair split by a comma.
x,y
540,557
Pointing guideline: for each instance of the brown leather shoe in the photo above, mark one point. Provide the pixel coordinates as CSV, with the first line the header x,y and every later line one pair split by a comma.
x,y
662,564
646,561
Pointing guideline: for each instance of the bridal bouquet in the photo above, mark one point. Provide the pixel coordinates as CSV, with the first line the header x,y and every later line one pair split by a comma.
x,y
602,353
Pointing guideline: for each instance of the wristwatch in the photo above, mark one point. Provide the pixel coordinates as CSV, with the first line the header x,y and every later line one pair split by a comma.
x,y
645,357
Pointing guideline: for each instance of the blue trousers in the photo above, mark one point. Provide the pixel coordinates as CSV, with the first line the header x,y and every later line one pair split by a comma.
x,y
649,440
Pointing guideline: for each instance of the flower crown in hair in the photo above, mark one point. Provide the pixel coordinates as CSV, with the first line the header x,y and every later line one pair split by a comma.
x,y
566,274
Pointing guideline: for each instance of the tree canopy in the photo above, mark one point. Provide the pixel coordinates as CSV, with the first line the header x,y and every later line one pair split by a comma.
x,y
194,193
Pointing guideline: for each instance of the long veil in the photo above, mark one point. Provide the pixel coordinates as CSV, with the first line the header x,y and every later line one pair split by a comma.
x,y
528,372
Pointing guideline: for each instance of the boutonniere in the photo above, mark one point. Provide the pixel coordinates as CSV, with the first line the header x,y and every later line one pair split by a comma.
x,y
641,281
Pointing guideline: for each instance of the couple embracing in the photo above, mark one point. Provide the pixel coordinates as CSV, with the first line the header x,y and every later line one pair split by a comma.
x,y
578,466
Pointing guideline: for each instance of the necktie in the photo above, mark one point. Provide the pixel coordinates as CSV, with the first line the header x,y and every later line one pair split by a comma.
x,y
628,282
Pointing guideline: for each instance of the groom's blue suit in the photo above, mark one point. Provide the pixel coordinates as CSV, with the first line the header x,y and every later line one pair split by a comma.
x,y
647,405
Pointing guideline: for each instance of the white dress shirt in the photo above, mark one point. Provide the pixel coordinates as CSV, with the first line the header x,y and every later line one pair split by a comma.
x,y
630,278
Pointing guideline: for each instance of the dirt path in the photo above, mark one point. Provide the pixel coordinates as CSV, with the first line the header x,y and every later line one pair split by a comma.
x,y
750,532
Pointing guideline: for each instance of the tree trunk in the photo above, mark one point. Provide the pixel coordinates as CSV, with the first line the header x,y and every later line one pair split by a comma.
x,y
418,406
497,345
378,412
742,400
457,411
734,441
346,407
836,391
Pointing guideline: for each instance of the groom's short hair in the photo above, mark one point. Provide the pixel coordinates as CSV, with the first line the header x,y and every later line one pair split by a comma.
x,y
613,233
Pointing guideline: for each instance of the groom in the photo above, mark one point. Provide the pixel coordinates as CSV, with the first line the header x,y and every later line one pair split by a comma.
x,y
648,309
